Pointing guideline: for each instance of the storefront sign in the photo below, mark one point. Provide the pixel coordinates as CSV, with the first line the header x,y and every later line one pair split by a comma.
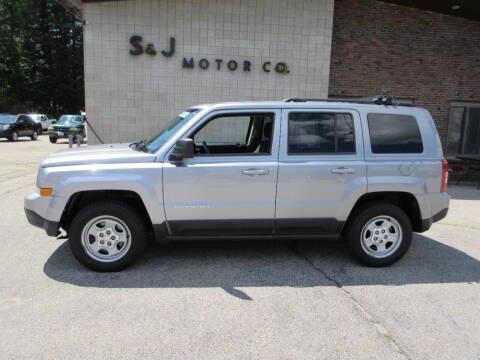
x,y
138,48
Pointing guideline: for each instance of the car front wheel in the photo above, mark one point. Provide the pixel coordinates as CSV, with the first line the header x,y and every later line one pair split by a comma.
x,y
107,236
34,136
379,234
53,140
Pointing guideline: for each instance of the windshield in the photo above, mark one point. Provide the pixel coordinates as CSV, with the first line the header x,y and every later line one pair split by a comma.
x,y
154,143
7,119
70,119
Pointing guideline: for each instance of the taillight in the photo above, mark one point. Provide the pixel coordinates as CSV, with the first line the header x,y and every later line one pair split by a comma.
x,y
444,183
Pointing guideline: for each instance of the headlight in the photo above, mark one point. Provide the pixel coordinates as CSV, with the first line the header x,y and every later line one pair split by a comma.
x,y
50,128
5,127
73,129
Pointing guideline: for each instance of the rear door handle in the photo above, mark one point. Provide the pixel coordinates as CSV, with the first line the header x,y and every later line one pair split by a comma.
x,y
255,172
343,170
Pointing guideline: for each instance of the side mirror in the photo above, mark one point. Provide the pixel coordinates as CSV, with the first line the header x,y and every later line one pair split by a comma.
x,y
184,148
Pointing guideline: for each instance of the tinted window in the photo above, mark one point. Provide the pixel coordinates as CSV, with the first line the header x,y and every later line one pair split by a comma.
x,y
320,133
472,132
345,135
464,130
394,134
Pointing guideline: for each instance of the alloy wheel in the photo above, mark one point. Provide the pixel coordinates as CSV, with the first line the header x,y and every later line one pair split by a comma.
x,y
106,238
381,236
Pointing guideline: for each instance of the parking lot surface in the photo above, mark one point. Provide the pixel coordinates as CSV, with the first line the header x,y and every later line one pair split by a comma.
x,y
245,300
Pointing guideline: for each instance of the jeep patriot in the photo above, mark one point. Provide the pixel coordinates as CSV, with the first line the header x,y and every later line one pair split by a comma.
x,y
370,174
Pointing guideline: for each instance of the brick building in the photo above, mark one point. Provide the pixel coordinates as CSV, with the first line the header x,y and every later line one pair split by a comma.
x,y
219,50
428,57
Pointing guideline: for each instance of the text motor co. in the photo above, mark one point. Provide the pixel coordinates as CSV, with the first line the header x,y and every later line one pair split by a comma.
x,y
138,48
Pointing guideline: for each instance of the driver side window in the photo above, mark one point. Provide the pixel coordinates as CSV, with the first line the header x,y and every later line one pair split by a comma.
x,y
225,130
235,134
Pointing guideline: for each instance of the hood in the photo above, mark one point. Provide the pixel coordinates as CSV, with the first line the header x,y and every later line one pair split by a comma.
x,y
97,154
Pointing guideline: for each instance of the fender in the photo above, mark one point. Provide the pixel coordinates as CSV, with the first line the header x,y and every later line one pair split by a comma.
x,y
145,179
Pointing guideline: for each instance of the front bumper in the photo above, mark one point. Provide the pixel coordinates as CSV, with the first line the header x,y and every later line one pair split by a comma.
x,y
61,134
5,133
44,212
57,134
51,227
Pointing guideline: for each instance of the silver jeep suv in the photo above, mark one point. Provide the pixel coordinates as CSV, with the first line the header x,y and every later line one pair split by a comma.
x,y
370,174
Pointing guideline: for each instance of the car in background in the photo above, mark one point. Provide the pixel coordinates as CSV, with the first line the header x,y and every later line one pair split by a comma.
x,y
14,126
42,119
67,125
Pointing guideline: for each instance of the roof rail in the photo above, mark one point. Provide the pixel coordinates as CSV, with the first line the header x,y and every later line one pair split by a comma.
x,y
378,100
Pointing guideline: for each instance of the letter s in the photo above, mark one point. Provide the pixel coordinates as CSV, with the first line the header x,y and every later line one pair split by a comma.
x,y
136,42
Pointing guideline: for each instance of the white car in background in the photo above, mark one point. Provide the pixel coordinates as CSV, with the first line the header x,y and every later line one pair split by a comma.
x,y
43,119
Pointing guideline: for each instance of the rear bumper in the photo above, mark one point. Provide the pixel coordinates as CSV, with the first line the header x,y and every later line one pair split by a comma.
x,y
51,227
427,223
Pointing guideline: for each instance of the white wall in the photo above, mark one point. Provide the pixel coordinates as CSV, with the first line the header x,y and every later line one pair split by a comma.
x,y
127,96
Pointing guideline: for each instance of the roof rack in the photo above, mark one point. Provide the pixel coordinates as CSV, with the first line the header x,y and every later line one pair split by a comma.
x,y
378,100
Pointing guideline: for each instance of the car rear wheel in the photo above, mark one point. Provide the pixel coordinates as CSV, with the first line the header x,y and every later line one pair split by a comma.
x,y
53,140
34,136
379,234
107,236
14,136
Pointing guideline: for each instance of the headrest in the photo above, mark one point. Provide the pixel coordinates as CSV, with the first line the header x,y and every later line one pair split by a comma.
x,y
267,129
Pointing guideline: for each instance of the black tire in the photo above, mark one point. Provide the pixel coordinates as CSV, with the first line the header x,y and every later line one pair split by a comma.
x,y
14,136
119,210
353,233
53,140
34,136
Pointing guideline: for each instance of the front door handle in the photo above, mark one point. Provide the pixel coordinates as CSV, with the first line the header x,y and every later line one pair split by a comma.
x,y
255,172
343,170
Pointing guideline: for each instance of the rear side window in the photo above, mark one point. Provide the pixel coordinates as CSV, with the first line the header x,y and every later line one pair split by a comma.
x,y
320,133
394,134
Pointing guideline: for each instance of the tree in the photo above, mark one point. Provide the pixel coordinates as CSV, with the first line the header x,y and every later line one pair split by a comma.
x,y
41,58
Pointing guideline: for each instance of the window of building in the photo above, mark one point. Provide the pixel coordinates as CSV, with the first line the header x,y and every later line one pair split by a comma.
x,y
235,134
394,134
320,133
464,129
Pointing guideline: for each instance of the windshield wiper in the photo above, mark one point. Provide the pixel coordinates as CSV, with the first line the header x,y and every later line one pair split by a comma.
x,y
139,145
